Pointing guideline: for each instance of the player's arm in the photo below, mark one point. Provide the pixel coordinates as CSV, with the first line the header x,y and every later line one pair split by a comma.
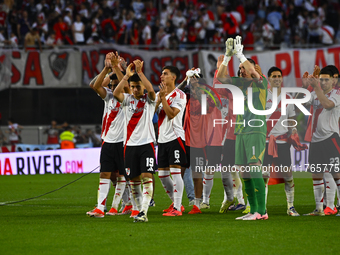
x,y
324,101
145,81
98,83
222,73
171,112
115,66
118,92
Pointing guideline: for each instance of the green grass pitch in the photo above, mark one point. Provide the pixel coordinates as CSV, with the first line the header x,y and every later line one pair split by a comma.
x,y
57,224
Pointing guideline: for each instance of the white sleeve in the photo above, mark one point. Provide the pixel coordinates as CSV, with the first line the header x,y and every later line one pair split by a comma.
x,y
125,100
178,102
335,97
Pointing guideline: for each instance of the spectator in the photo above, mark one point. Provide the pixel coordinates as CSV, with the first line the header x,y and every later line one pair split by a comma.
x,y
32,10
3,139
23,27
42,28
146,33
32,40
14,130
61,28
94,39
78,29
178,18
268,34
327,34
90,137
275,19
67,140
109,29
121,27
68,18
134,34
52,133
138,6
151,11
314,28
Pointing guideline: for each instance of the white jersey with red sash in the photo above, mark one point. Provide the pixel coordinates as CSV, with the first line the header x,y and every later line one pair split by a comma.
x,y
325,122
138,114
113,124
170,130
274,120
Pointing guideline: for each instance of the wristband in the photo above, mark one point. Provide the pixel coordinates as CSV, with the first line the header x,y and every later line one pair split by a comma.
x,y
242,58
140,72
115,66
226,60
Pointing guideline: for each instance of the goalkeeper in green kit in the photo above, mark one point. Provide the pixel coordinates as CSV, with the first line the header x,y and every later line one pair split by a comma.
x,y
250,129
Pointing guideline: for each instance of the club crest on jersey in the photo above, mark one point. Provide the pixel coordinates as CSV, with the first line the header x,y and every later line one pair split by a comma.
x,y
127,170
58,64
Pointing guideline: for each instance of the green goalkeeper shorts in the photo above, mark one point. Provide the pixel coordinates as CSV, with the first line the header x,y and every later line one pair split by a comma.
x,y
249,148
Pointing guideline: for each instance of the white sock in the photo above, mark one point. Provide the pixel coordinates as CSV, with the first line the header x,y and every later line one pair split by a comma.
x,y
178,187
147,193
167,183
208,182
103,191
330,189
289,189
227,182
120,188
318,193
224,197
137,193
237,187
239,195
126,194
338,188
248,203
132,200
266,180
198,202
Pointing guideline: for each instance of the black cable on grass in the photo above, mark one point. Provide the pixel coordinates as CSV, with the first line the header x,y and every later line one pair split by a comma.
x,y
23,200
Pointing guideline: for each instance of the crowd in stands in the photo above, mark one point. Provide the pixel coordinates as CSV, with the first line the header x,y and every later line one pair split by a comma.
x,y
169,24
12,135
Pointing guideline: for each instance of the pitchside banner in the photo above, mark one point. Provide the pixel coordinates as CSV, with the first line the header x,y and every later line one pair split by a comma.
x,y
50,162
36,70
293,63
92,60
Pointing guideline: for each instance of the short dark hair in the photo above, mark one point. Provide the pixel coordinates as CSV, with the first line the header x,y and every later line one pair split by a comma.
x,y
134,78
333,69
274,69
174,70
251,61
327,70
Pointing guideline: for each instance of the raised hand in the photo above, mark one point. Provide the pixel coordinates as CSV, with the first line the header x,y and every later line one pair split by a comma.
x,y
229,47
258,69
305,80
162,90
129,71
115,59
138,65
316,71
107,61
238,47
313,81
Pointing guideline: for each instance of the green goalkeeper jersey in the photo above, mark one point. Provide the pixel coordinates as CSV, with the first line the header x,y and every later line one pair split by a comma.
x,y
259,102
